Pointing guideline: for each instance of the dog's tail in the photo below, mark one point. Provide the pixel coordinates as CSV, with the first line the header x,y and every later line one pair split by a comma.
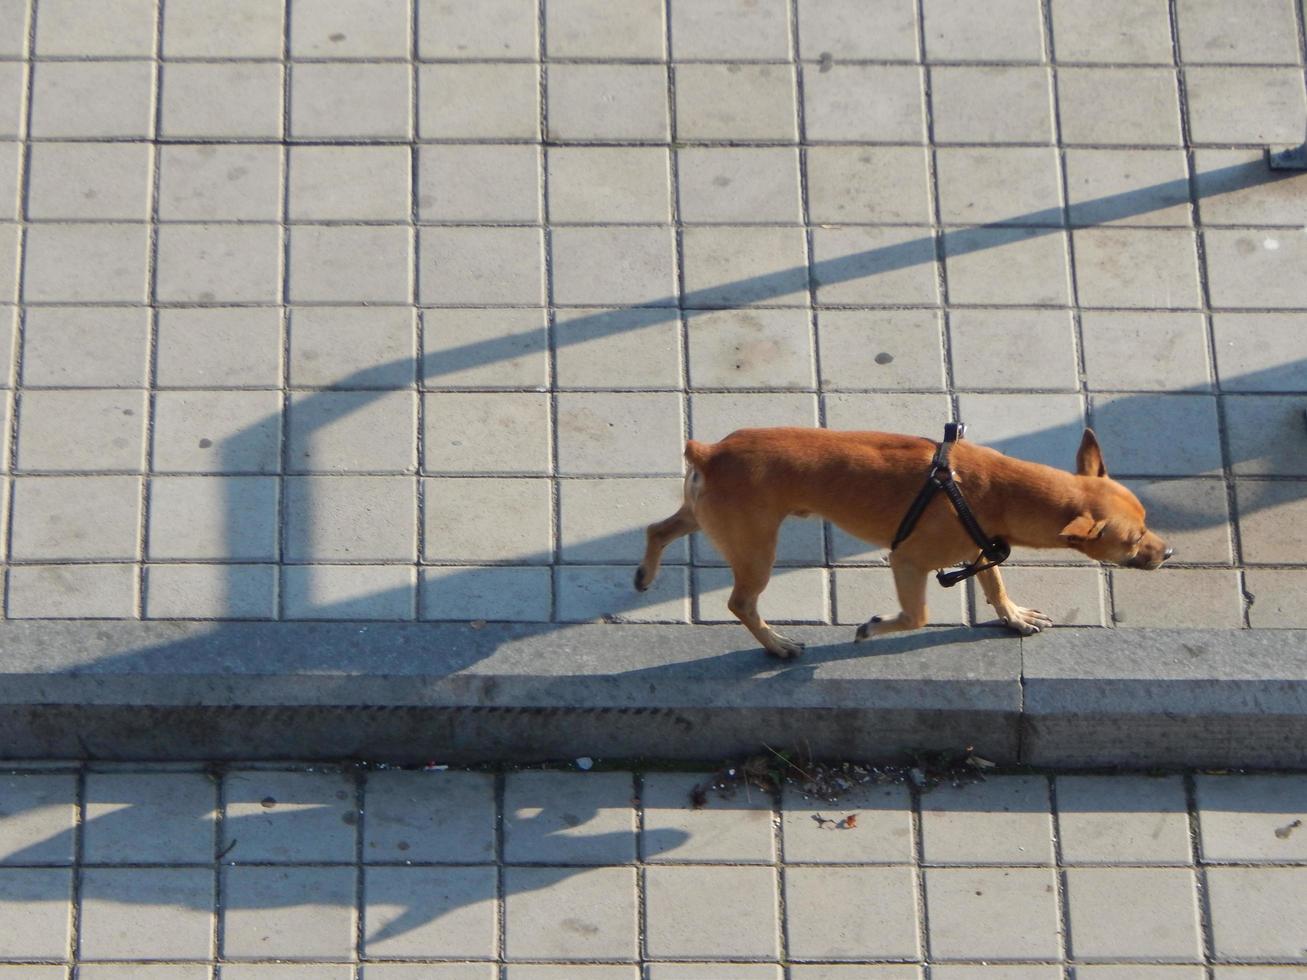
x,y
697,454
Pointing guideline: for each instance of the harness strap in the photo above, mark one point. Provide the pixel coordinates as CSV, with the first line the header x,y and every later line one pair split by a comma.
x,y
993,551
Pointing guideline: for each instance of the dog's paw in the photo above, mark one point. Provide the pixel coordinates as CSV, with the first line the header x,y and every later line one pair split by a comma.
x,y
785,648
1027,622
642,580
865,630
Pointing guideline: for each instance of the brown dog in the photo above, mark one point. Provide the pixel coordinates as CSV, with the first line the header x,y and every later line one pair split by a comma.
x,y
739,490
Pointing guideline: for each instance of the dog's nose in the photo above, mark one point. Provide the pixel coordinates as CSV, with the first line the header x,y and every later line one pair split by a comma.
x,y
1167,553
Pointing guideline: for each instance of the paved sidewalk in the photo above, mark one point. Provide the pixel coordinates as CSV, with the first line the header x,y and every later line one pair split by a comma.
x,y
393,875
401,309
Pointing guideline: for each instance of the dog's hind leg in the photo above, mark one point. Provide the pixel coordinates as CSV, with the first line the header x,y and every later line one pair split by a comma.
x,y
910,583
1014,617
659,536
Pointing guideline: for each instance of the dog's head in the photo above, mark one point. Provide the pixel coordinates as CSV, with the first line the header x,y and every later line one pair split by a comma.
x,y
1112,529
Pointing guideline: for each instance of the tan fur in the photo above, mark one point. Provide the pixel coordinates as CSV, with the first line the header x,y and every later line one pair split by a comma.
x,y
739,490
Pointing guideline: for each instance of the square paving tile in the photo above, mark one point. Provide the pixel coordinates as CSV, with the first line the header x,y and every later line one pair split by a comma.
x,y
1257,913
444,817
603,593
570,913
734,266
217,431
1118,105
1122,820
1261,34
212,182
1274,598
1141,34
350,518
479,101
89,181
873,266
210,591
595,29
1133,913
851,913
1270,519
485,432
1265,433
880,349
735,102
237,29
217,263
90,99
569,818
1010,30
1251,818
614,266
977,258
795,595
1147,350
149,818
428,912
77,517
124,28
607,102
1127,187
218,348
1249,268
380,592
604,520
373,29
85,263
90,429
751,349
352,347
509,594
864,103
37,817
1177,598
593,428
169,915
479,183
284,817
1233,188
35,917
1158,434
484,349
1245,105
343,431
883,830
983,341
1011,184
711,913
1004,820
737,830
349,183
1041,428
216,100
350,264
868,184
486,520
1149,268
1018,908
723,29
73,592
617,348
490,29
870,29
288,913
609,183
1068,596
860,593
480,266
715,416
350,101
991,104
738,184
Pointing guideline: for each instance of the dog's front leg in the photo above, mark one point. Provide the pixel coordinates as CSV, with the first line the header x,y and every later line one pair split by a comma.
x,y
1014,617
910,583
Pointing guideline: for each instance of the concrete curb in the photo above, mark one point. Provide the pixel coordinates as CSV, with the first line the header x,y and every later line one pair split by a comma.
x,y
410,692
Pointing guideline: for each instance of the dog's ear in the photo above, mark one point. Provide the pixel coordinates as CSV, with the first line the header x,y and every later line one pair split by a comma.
x,y
1089,457
1083,528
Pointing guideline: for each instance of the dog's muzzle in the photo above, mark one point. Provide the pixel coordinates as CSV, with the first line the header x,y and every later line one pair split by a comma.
x,y
1138,561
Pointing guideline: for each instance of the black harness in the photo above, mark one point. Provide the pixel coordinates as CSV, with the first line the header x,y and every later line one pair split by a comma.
x,y
993,551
